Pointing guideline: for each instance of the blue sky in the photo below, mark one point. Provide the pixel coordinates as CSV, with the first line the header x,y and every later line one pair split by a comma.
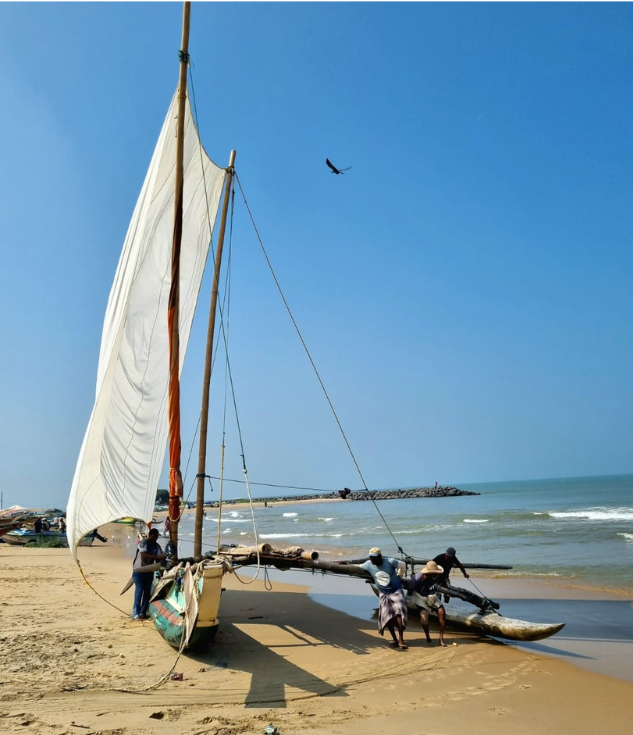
x,y
465,289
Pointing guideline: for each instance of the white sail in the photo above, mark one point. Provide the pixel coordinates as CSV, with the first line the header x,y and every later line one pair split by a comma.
x,y
123,450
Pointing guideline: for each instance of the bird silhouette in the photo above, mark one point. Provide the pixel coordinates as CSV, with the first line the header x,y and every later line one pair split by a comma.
x,y
334,169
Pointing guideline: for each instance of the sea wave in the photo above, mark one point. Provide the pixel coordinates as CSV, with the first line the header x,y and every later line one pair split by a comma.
x,y
230,520
290,515
327,520
476,520
627,536
529,574
595,514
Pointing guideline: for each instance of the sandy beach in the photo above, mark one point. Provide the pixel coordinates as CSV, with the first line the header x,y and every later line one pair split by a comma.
x,y
75,663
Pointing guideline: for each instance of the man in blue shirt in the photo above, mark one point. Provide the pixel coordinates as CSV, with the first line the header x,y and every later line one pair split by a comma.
x,y
148,552
392,610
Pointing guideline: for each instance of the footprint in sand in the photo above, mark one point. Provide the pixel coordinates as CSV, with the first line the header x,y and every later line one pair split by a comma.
x,y
497,710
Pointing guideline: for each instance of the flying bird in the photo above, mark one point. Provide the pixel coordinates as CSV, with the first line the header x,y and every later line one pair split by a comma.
x,y
334,169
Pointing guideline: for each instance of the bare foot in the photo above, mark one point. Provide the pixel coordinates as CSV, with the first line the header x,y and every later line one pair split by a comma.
x,y
403,646
443,644
429,642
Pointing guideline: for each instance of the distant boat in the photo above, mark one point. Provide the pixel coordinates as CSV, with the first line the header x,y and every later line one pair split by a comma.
x,y
28,537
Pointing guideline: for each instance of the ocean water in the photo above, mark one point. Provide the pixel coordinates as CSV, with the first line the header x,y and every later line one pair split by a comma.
x,y
574,531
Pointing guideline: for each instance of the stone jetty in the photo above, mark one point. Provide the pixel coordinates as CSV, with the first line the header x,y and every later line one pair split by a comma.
x,y
440,491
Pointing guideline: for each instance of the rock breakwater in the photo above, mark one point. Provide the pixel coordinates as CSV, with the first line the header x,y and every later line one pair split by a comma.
x,y
346,494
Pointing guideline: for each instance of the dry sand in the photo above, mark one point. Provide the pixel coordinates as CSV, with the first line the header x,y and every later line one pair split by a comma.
x,y
280,657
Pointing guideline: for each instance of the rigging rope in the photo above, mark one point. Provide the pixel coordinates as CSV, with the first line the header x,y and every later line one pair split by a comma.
x,y
224,333
229,377
314,367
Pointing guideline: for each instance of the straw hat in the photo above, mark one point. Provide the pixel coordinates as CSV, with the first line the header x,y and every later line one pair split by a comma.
x,y
432,568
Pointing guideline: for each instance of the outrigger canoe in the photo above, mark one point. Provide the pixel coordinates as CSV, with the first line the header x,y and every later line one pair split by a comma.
x,y
486,620
491,622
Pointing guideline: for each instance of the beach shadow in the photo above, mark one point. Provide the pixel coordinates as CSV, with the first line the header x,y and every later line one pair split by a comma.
x,y
267,628
549,650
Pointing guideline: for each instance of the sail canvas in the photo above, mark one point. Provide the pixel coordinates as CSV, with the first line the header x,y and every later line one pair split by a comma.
x,y
123,449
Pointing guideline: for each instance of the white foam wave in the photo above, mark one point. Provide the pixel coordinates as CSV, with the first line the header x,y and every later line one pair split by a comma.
x,y
475,520
596,514
627,536
235,514
230,520
530,574
327,520
300,535
290,515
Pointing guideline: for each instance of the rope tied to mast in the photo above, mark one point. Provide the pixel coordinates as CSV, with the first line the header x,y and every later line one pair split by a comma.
x,y
184,57
314,367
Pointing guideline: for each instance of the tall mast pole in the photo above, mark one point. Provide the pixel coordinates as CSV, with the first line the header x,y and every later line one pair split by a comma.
x,y
206,384
173,313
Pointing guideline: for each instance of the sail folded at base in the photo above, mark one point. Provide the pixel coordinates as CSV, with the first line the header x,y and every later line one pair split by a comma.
x,y
123,450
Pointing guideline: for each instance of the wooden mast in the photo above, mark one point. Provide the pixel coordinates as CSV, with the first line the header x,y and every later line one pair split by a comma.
x,y
173,313
206,384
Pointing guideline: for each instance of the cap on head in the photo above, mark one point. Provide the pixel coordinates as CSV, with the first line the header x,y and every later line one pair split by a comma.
x,y
375,551
450,551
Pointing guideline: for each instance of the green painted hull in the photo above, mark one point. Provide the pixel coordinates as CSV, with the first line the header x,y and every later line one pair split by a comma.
x,y
170,623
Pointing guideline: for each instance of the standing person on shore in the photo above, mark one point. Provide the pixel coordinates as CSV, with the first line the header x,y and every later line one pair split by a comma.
x,y
448,560
148,552
393,606
427,599
101,538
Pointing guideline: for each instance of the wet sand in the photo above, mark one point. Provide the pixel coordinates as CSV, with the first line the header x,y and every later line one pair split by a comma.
x,y
281,657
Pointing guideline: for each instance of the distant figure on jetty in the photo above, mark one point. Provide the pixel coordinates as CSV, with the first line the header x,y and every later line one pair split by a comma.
x,y
393,606
344,492
148,552
424,583
436,484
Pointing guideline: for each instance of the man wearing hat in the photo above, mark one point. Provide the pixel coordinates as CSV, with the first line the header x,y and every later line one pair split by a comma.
x,y
393,605
423,591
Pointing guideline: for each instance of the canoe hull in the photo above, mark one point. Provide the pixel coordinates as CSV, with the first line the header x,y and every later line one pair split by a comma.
x,y
494,624
185,604
170,623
